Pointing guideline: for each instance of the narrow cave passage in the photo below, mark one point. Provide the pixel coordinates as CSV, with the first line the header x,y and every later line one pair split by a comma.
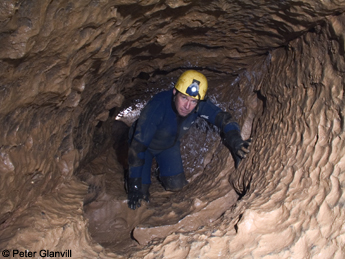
x,y
206,163
75,75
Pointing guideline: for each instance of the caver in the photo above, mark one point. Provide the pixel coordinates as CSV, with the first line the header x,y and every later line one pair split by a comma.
x,y
160,127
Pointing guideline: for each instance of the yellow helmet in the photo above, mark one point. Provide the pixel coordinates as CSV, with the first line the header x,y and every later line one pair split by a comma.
x,y
193,84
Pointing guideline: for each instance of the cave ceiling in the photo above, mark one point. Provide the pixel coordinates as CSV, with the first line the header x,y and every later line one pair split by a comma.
x,y
70,43
67,68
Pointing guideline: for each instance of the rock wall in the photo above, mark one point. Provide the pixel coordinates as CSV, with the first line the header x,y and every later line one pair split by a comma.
x,y
67,68
293,207
300,155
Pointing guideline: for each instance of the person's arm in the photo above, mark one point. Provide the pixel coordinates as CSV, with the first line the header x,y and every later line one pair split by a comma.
x,y
142,133
229,130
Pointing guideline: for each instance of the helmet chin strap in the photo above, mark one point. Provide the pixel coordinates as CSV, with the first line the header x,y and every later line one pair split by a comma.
x,y
197,105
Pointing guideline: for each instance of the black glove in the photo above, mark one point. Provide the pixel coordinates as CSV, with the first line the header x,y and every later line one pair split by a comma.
x,y
135,194
237,146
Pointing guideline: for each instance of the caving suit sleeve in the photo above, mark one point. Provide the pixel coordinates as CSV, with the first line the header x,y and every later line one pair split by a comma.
x,y
213,114
141,135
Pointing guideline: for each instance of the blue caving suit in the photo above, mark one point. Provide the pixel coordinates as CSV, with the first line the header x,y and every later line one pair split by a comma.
x,y
158,131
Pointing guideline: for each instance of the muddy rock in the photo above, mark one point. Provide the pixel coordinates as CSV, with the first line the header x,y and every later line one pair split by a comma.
x,y
74,76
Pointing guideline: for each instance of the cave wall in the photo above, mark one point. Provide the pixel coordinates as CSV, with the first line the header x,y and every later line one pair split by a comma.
x,y
294,206
64,66
300,155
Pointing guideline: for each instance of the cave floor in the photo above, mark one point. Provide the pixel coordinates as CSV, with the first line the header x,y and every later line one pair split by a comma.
x,y
122,230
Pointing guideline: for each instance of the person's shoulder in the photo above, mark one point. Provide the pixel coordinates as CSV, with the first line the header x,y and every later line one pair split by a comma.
x,y
160,100
207,107
163,94
206,102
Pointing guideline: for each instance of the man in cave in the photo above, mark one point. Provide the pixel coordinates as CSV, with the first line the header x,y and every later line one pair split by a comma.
x,y
157,133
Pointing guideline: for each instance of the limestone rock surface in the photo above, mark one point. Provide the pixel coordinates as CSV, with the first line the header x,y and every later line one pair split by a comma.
x,y
75,74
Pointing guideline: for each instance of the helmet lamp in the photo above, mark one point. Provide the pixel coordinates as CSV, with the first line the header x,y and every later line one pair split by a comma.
x,y
193,89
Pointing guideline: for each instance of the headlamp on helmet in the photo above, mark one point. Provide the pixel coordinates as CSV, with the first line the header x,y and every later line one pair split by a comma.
x,y
192,83
193,89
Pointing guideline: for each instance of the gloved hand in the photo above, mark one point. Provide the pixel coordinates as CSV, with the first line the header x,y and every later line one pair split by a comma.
x,y
135,194
237,146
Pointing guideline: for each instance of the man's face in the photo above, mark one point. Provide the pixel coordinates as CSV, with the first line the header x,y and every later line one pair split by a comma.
x,y
184,103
